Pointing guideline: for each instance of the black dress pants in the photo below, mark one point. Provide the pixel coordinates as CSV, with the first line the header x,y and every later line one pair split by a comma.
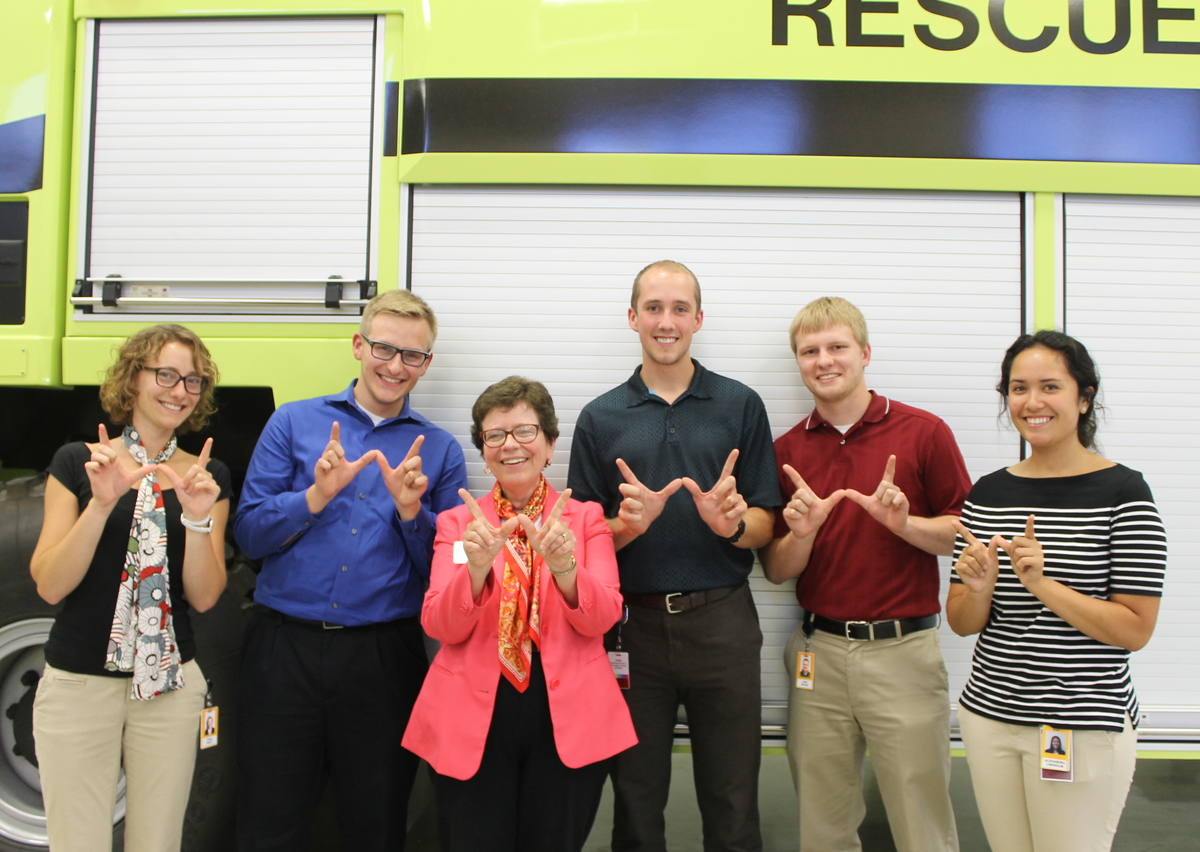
x,y
706,659
523,798
311,700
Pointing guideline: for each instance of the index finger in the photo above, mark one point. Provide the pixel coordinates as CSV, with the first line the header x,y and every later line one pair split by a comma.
x,y
103,435
796,478
335,433
557,511
627,473
889,471
415,448
1029,528
472,506
202,459
963,531
729,463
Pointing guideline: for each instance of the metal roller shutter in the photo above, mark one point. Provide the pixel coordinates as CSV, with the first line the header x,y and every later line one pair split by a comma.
x,y
231,159
1132,295
536,281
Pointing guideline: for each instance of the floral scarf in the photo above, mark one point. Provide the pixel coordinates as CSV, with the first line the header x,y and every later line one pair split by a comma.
x,y
142,637
519,591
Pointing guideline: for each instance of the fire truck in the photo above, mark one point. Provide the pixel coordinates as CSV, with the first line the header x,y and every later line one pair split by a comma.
x,y
963,171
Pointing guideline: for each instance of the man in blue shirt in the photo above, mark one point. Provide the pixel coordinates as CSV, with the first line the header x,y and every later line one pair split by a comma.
x,y
340,502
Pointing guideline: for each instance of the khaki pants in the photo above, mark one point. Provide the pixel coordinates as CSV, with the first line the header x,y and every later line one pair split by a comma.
x,y
886,695
83,726
1023,813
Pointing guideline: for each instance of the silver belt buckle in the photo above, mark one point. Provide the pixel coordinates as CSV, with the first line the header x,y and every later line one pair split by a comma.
x,y
870,630
325,625
671,611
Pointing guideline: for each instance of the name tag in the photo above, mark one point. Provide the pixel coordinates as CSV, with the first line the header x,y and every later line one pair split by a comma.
x,y
1056,754
619,660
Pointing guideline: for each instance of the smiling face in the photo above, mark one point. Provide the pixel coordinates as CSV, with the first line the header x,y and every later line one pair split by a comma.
x,y
164,409
666,316
1043,399
383,385
831,363
517,467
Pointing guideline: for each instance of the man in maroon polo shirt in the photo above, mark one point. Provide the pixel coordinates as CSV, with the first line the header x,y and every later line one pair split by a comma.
x,y
871,486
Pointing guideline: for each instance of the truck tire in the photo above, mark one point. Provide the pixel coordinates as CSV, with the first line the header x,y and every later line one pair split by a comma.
x,y
25,621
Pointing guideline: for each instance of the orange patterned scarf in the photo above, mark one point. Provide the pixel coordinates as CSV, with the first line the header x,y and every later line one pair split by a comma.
x,y
519,591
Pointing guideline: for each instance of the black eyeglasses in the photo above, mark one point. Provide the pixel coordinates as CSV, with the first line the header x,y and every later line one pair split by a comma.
x,y
386,352
168,377
523,434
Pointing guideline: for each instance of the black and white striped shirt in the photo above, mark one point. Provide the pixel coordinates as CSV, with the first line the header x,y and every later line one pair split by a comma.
x,y
1102,535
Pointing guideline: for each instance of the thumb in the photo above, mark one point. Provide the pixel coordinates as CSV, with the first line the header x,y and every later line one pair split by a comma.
x,y
673,486
1004,544
688,483
507,528
837,496
857,497
994,550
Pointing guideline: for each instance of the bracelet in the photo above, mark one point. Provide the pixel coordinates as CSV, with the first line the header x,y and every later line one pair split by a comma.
x,y
205,526
563,573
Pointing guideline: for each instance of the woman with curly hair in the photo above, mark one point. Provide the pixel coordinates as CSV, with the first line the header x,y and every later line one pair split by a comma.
x,y
132,538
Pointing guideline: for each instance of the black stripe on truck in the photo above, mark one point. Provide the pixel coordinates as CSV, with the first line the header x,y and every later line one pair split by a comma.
x,y
802,118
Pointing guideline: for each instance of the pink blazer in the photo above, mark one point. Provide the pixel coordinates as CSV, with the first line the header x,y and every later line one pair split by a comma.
x,y
450,721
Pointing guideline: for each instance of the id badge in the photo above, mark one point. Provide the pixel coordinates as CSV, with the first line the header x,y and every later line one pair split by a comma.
x,y
806,669
1056,754
208,727
619,660
459,556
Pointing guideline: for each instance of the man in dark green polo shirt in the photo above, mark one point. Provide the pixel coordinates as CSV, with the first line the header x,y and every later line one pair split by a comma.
x,y
681,459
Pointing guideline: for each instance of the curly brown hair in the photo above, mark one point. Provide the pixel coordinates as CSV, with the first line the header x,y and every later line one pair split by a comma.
x,y
507,394
119,390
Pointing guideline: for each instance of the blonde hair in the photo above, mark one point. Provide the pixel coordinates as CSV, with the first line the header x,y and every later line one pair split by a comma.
x,y
400,303
119,390
668,266
826,312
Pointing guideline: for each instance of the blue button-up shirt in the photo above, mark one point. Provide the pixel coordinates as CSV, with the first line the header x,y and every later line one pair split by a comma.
x,y
355,562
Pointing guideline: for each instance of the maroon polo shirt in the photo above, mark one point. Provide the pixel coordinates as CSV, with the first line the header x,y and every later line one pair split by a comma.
x,y
858,570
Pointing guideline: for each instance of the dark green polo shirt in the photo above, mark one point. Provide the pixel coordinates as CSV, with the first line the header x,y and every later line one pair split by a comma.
x,y
692,436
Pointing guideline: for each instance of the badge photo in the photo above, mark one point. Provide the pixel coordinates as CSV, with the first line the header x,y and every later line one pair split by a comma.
x,y
806,670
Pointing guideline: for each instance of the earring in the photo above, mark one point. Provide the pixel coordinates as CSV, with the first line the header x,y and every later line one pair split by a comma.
x,y
547,462
487,471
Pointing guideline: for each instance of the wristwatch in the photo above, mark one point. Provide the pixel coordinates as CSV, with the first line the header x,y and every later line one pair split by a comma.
x,y
205,526
737,533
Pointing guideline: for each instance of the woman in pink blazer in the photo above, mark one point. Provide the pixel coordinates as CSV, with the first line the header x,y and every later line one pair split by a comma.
x,y
520,711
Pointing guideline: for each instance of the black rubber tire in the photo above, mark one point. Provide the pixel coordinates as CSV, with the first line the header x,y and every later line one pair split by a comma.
x,y
208,824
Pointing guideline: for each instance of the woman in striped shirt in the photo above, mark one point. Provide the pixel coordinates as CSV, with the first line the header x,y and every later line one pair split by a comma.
x,y
1059,566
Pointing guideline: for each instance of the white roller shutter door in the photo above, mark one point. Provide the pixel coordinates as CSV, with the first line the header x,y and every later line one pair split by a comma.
x,y
536,281
231,159
1133,297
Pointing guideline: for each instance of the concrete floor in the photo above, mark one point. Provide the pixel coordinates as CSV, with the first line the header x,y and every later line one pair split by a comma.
x,y
1161,815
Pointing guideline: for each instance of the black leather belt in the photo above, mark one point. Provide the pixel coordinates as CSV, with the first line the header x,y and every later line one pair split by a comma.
x,y
864,631
284,618
677,602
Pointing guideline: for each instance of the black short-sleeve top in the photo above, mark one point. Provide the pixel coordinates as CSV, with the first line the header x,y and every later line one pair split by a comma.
x,y
79,639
